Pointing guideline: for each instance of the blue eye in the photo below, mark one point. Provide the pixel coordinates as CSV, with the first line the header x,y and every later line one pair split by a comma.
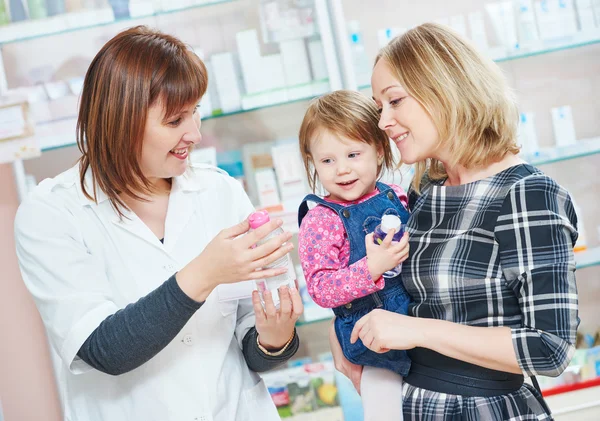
x,y
326,161
353,155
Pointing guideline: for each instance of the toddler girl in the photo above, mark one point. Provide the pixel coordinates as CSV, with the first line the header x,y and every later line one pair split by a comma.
x,y
346,152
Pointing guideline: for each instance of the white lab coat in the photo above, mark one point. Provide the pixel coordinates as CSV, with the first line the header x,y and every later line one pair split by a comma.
x,y
82,263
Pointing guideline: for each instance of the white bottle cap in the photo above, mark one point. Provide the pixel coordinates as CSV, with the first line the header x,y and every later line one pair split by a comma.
x,y
389,222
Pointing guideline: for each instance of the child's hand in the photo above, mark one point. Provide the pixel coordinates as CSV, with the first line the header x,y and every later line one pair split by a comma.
x,y
387,255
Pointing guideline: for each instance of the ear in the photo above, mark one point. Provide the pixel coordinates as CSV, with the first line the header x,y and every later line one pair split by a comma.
x,y
379,156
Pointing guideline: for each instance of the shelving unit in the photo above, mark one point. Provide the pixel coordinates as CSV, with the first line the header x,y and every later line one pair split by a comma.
x,y
579,41
89,19
62,140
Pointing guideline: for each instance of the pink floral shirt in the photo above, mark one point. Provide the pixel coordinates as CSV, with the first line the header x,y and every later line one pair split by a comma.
x,y
324,252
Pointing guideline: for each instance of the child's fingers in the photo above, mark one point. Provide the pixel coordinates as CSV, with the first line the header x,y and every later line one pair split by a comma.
x,y
389,238
400,246
402,256
404,240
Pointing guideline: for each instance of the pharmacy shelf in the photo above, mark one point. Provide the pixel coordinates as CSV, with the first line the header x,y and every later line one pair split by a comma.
x,y
557,390
588,258
60,133
77,21
580,149
577,41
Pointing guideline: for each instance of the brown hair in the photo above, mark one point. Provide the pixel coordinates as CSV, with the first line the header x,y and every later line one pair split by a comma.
x,y
135,70
347,113
465,94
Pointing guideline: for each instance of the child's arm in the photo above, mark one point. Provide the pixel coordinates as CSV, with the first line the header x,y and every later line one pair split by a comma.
x,y
324,253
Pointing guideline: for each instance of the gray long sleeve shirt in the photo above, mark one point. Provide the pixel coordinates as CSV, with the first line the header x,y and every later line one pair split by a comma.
x,y
135,334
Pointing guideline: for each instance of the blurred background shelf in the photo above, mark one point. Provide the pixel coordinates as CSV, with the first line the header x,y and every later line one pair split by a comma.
x,y
89,19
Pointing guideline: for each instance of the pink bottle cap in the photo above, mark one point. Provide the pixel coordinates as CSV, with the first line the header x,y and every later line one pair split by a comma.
x,y
258,219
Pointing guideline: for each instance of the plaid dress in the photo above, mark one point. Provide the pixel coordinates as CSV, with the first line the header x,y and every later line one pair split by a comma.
x,y
495,252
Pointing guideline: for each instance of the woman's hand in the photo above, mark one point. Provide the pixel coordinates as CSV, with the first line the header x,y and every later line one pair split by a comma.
x,y
275,327
382,330
348,369
230,258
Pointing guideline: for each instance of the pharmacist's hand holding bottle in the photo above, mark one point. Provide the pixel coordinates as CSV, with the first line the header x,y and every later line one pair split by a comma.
x,y
386,255
275,325
230,257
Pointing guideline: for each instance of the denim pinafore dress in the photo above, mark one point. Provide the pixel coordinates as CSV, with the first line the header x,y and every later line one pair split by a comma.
x,y
359,220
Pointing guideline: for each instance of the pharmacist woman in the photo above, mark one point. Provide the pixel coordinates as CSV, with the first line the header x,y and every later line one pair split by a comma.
x,y
134,256
491,270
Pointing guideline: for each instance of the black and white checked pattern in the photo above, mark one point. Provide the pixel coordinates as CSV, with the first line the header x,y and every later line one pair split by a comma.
x,y
496,252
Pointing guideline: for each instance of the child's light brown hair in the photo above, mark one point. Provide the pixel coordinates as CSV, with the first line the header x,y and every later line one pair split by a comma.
x,y
346,113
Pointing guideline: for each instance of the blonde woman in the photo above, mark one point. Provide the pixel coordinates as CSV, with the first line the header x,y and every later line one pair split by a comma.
x,y
491,268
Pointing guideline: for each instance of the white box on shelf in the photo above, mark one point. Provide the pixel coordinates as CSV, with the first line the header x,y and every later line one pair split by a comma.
x,y
266,187
251,62
564,128
226,81
360,60
478,32
212,92
318,63
527,135
546,12
585,15
568,17
291,176
504,24
206,106
596,5
273,72
526,23
295,62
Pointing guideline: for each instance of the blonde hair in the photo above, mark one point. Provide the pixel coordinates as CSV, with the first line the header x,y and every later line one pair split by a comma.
x,y
346,113
465,94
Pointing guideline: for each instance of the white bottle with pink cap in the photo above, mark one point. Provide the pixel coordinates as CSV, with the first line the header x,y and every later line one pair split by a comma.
x,y
256,220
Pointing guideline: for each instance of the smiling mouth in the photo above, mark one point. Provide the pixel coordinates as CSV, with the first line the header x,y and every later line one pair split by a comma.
x,y
180,153
347,184
401,137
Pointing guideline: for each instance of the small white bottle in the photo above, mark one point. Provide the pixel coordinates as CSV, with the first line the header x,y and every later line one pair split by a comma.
x,y
389,222
256,220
